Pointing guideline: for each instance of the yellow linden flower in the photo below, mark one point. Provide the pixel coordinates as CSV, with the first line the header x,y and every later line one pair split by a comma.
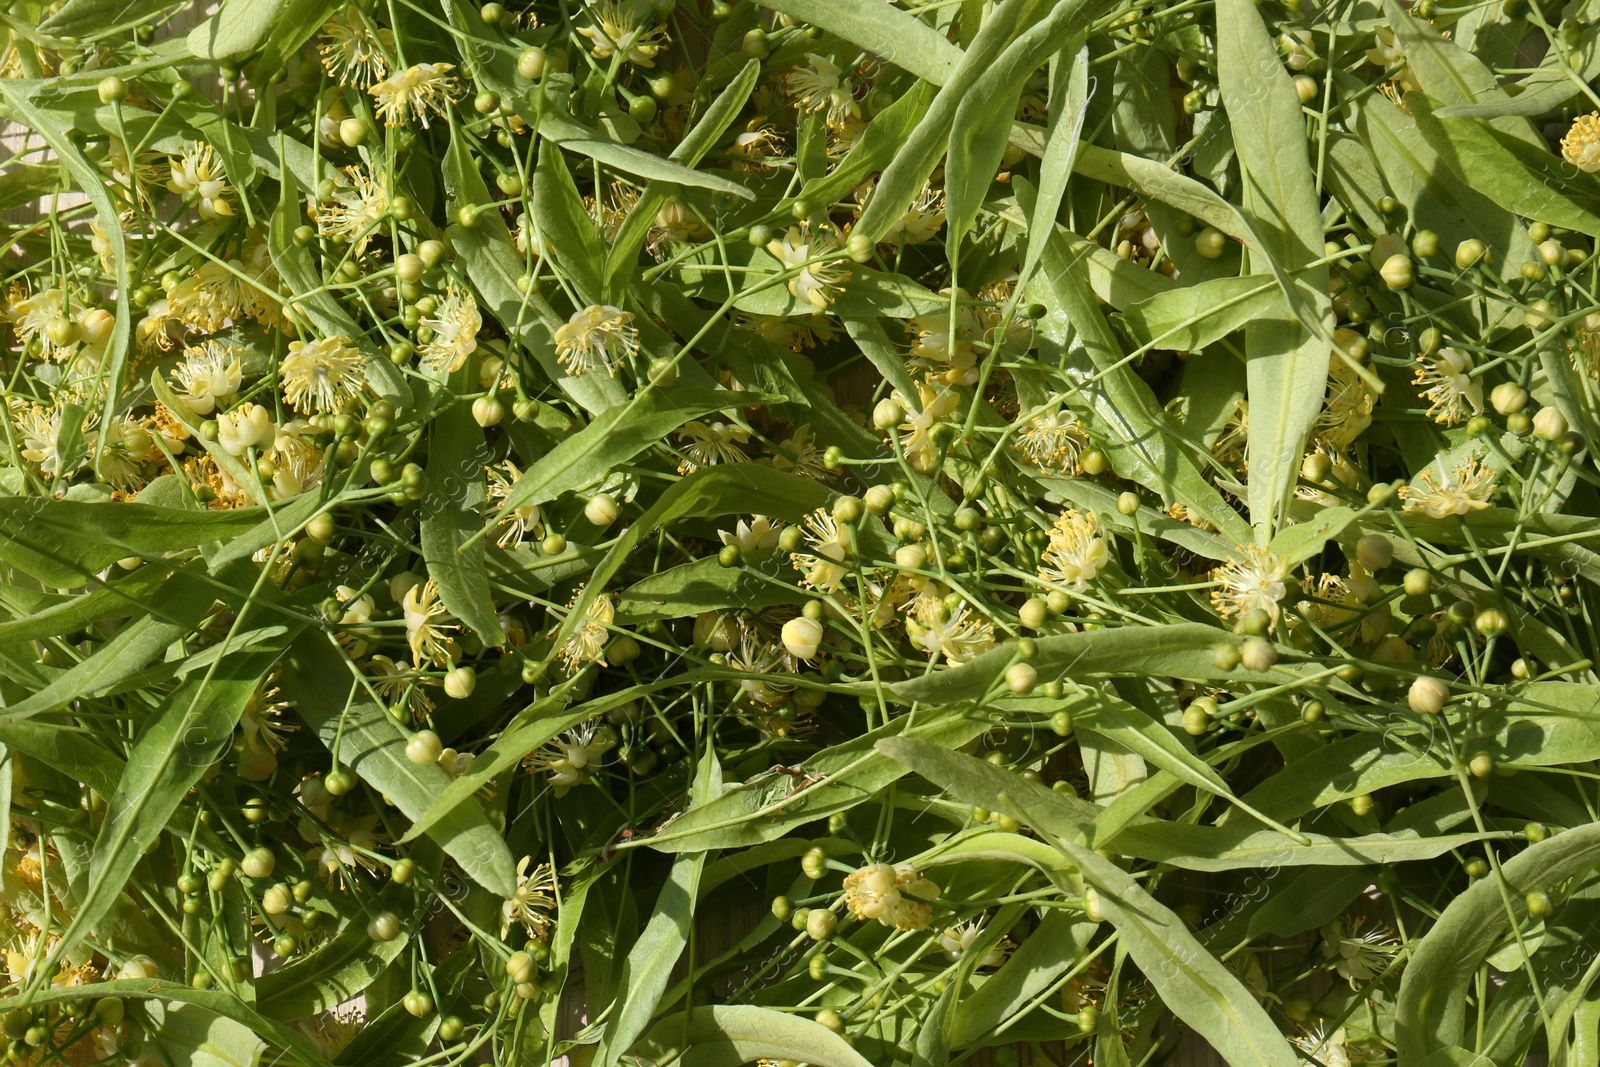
x,y
209,372
710,443
597,337
533,901
1581,145
801,250
619,28
1052,440
1076,553
1449,388
352,51
822,88
587,644
1254,580
321,375
831,545
1462,491
455,328
198,174
416,92
893,895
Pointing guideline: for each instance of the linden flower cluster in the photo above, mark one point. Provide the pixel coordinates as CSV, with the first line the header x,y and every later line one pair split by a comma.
x,y
895,896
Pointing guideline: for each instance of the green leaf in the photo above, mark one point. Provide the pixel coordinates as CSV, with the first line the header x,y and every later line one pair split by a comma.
x,y
899,37
1083,493
1069,81
690,588
1053,947
1452,75
562,224
452,516
23,183
1546,725
189,1034
1550,85
561,129
122,596
370,744
1304,540
1415,174
1228,848
239,27
334,973
66,752
1456,1057
8,770
1190,981
214,1001
175,746
186,598
908,172
1158,182
1431,1007
1180,650
649,966
1518,175
979,134
727,1035
615,436
878,144
80,17
1194,316
1286,364
1310,899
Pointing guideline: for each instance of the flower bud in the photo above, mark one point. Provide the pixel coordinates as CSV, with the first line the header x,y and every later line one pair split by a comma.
x,y
1258,654
820,924
1396,272
1033,613
1508,398
520,967
459,683
801,637
879,499
814,864
1021,678
487,411
1375,552
258,863
384,926
424,747
1428,696
277,899
140,967
601,510
1549,423
911,557
1469,252
1210,243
